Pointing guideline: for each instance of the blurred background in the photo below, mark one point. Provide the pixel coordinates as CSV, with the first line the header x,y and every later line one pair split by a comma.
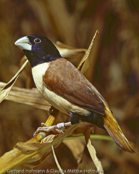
x,y
114,71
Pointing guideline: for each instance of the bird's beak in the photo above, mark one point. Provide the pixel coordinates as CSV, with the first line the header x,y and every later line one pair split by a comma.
x,y
24,43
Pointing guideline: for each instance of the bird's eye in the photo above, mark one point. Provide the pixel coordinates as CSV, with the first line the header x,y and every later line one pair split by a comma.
x,y
37,40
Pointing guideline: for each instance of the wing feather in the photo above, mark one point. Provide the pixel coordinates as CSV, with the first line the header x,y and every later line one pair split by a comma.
x,y
66,81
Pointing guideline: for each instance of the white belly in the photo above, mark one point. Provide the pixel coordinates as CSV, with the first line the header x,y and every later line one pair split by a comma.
x,y
55,100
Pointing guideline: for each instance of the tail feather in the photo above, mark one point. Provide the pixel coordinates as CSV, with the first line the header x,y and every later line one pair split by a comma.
x,y
114,130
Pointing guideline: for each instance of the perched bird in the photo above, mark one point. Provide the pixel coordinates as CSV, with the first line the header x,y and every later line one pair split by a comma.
x,y
66,89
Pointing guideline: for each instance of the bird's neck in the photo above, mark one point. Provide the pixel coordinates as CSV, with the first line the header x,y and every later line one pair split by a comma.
x,y
41,58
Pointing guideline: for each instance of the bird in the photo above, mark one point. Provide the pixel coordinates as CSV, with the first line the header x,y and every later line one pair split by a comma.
x,y
67,89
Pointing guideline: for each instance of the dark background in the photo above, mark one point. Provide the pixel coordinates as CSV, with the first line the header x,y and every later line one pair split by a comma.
x,y
115,71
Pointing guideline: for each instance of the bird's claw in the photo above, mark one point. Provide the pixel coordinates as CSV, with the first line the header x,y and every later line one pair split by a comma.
x,y
55,128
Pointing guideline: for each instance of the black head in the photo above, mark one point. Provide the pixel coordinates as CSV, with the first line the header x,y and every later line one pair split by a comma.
x,y
38,49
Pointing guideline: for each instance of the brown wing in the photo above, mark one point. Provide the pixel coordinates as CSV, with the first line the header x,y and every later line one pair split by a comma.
x,y
65,80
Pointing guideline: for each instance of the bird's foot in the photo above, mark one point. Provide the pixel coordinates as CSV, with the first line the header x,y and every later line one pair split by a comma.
x,y
55,128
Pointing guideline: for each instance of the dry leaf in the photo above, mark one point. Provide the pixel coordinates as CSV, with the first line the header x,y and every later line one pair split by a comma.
x,y
92,152
74,55
76,147
56,161
30,154
85,62
27,96
6,89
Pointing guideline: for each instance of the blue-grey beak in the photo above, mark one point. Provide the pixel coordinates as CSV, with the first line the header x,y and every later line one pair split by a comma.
x,y
24,43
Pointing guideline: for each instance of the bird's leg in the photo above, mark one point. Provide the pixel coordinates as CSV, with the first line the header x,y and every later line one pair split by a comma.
x,y
74,118
55,128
